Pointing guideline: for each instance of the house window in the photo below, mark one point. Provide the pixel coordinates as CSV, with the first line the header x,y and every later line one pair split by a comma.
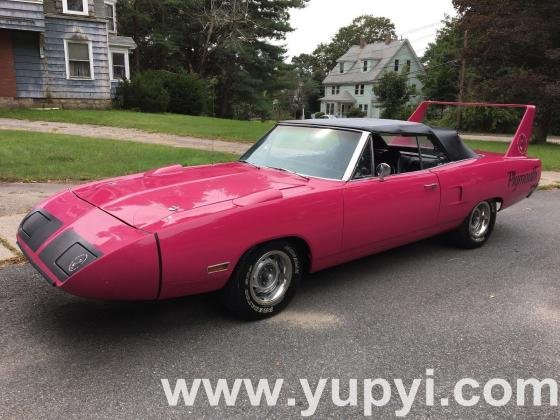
x,y
366,107
120,68
79,61
75,7
341,67
359,89
337,89
365,65
396,65
408,63
111,17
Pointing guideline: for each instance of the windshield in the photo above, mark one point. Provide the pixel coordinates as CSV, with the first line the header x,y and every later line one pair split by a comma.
x,y
311,151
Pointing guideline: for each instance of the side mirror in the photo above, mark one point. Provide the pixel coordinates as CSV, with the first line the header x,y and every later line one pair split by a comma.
x,y
383,170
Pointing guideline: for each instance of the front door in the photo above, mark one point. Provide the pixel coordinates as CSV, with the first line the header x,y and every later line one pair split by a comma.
x,y
401,206
398,208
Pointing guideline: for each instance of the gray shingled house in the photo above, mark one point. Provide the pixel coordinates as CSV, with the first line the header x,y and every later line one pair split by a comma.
x,y
351,83
61,53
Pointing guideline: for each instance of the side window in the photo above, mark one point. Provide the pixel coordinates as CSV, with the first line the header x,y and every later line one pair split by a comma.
x,y
411,153
431,153
364,167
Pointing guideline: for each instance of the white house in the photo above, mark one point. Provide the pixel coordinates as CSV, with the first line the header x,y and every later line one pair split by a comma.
x,y
352,82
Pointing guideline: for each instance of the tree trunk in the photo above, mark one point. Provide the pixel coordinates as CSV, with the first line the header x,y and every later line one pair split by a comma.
x,y
225,97
542,128
136,38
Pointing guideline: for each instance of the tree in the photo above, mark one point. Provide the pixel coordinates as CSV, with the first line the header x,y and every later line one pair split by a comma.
x,y
228,41
514,50
393,94
441,81
369,28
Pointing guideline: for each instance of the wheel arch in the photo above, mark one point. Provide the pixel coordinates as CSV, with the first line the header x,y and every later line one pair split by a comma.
x,y
498,201
298,242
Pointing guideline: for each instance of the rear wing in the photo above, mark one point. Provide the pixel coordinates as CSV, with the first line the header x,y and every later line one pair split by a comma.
x,y
520,141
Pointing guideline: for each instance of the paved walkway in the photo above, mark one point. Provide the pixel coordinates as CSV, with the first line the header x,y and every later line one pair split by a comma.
x,y
125,134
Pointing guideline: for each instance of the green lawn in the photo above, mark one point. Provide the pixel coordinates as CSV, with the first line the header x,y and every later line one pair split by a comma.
x,y
549,154
26,156
186,125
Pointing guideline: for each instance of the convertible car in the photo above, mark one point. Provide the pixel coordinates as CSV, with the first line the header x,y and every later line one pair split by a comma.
x,y
309,195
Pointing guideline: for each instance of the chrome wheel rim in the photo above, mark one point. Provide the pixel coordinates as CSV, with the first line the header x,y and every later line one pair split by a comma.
x,y
270,278
479,222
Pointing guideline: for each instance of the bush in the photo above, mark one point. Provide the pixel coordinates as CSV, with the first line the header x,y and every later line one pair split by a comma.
x,y
355,113
162,91
493,120
145,93
187,92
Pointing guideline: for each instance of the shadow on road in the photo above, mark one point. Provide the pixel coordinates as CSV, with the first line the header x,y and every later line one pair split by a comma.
x,y
74,317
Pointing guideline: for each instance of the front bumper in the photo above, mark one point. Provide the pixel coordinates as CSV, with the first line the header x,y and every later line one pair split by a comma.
x,y
87,252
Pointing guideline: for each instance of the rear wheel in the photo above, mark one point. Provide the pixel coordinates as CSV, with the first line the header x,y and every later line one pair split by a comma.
x,y
264,281
477,227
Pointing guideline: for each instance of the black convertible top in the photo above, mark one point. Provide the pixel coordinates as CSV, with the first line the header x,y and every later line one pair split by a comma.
x,y
449,139
367,124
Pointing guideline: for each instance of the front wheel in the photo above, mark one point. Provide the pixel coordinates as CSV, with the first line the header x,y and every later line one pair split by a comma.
x,y
264,281
477,227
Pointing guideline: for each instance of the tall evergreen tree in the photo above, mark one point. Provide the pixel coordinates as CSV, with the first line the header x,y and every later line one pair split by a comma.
x,y
226,40
441,61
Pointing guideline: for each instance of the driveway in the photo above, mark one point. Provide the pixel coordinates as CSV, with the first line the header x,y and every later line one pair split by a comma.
x,y
488,313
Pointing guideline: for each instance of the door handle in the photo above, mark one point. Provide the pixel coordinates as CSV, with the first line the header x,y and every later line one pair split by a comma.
x,y
431,187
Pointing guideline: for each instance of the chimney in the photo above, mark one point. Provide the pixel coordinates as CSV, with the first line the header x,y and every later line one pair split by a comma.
x,y
388,40
362,42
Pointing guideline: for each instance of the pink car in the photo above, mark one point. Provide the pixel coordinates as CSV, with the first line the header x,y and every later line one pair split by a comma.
x,y
309,195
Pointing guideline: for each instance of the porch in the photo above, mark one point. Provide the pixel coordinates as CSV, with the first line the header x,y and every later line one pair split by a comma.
x,y
338,105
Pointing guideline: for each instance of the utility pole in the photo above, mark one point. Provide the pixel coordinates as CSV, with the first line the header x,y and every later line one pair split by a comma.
x,y
462,79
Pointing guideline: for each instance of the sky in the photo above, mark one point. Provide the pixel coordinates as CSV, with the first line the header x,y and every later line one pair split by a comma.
x,y
320,20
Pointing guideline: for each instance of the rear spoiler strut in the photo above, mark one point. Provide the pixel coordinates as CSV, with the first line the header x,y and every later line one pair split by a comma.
x,y
520,142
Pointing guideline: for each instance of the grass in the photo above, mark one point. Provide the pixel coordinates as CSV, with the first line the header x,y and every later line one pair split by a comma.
x,y
40,157
185,125
549,154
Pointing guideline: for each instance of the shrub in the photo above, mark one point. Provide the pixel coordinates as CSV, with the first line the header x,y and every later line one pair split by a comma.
x,y
187,92
493,120
355,113
162,91
145,93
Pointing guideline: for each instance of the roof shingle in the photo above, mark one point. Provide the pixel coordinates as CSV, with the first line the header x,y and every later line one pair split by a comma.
x,y
379,51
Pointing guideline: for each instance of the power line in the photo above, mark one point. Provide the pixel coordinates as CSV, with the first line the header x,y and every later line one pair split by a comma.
x,y
422,27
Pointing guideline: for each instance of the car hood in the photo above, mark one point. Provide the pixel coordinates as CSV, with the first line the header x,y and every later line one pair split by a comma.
x,y
143,199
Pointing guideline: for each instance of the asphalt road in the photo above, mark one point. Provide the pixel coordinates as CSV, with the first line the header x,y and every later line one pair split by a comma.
x,y
493,312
